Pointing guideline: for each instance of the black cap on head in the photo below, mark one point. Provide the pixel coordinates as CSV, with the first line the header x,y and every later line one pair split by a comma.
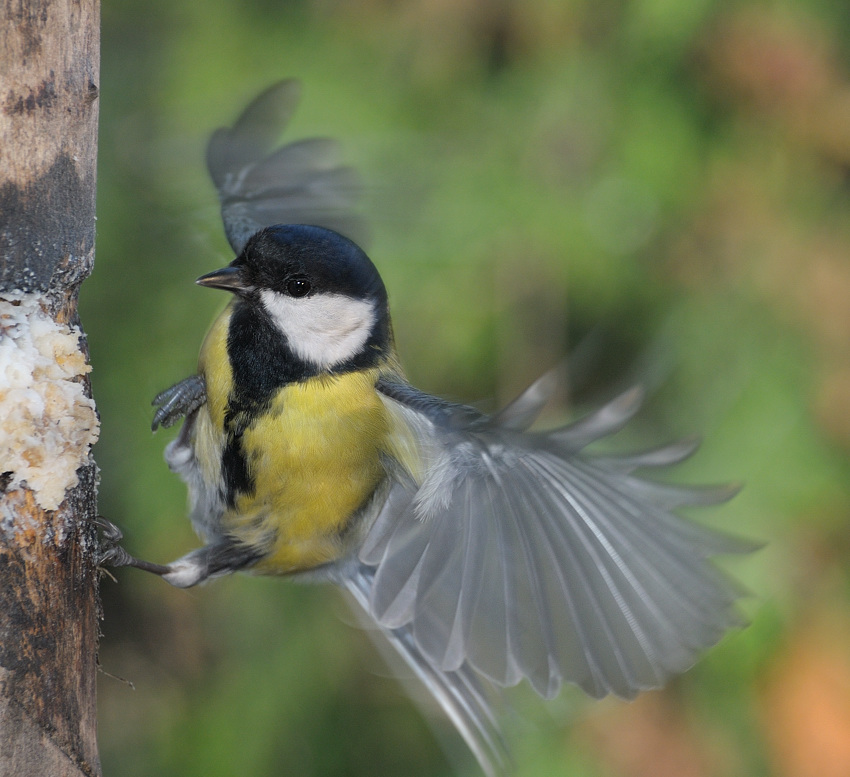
x,y
277,257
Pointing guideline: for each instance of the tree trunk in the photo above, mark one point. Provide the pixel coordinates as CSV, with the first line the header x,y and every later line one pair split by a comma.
x,y
49,70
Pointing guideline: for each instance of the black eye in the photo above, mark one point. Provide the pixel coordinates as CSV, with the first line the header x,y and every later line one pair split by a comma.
x,y
298,287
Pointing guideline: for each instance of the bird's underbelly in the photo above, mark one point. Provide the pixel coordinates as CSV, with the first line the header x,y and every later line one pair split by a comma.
x,y
313,461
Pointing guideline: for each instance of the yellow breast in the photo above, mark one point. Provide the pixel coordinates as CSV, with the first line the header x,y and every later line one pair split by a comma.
x,y
314,458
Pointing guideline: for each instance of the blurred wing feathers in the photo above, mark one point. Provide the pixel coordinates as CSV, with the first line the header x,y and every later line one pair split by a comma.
x,y
460,694
524,410
608,419
524,559
252,136
260,185
665,456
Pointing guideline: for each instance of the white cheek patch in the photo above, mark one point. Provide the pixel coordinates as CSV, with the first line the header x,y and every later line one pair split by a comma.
x,y
325,329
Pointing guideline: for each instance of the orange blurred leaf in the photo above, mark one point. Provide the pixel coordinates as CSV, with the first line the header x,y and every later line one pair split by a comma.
x,y
805,705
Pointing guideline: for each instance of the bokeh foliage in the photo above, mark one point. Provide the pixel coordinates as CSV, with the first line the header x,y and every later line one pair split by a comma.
x,y
658,188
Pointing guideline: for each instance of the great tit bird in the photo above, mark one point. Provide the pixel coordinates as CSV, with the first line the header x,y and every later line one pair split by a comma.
x,y
485,553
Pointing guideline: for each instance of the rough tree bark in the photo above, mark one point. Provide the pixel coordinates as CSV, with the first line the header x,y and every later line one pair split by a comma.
x,y
49,72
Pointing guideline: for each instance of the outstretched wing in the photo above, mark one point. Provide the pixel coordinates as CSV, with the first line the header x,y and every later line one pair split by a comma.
x,y
260,184
521,556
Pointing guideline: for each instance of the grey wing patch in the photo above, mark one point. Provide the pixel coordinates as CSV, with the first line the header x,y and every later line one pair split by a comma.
x,y
530,559
261,185
180,400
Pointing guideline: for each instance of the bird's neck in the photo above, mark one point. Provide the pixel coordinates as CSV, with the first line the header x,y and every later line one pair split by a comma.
x,y
255,359
260,357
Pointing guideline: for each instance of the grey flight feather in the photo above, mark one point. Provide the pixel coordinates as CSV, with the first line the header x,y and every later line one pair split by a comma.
x,y
530,559
524,410
261,185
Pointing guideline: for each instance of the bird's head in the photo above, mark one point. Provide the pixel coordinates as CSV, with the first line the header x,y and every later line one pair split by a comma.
x,y
318,288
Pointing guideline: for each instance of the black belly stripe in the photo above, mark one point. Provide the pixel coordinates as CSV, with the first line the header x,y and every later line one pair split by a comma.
x,y
234,469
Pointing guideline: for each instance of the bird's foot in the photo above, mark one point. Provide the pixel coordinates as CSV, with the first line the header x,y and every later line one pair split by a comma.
x,y
111,554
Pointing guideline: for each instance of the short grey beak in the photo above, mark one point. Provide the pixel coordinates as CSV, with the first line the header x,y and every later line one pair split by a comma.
x,y
227,278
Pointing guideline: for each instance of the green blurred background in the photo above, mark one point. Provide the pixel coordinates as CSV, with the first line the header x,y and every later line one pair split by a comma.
x,y
660,188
